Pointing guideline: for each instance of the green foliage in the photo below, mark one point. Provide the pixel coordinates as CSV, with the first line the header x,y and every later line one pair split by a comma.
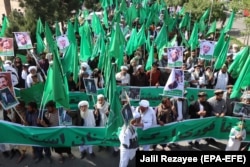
x,y
48,10
198,7
239,5
176,2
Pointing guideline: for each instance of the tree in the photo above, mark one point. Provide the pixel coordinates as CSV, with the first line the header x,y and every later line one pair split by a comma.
x,y
198,7
48,10
176,2
7,6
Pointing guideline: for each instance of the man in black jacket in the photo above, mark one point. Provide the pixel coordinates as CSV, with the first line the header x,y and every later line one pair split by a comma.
x,y
200,109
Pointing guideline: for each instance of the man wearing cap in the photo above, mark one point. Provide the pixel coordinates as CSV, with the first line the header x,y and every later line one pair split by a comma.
x,y
221,78
181,105
148,117
229,101
197,78
229,59
83,117
200,109
154,75
218,104
101,111
192,60
236,136
139,78
128,140
85,68
122,77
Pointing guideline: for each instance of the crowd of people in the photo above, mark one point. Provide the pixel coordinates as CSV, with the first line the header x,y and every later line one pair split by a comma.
x,y
131,73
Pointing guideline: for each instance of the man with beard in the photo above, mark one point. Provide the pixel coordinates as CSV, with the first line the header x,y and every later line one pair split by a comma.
x,y
221,78
200,109
218,104
139,78
197,78
53,117
83,117
229,101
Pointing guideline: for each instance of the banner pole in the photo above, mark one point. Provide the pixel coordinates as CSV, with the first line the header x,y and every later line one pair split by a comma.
x,y
18,114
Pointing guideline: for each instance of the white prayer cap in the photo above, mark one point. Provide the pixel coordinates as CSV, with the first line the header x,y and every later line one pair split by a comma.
x,y
84,64
136,115
124,68
138,67
83,103
32,68
127,36
158,28
144,103
7,62
7,67
235,46
100,96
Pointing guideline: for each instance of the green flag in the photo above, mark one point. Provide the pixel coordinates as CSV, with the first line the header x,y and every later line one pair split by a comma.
x,y
96,25
162,37
184,41
229,23
185,21
60,83
141,37
105,18
172,42
76,24
193,41
132,43
223,55
58,31
148,42
5,25
243,80
115,118
86,44
99,47
49,38
219,45
40,46
205,15
150,59
212,28
131,15
117,40
239,61
39,26
71,33
202,22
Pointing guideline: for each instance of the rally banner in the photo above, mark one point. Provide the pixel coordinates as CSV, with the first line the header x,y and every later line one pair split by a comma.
x,y
68,136
241,109
175,56
152,94
6,47
175,84
23,40
207,49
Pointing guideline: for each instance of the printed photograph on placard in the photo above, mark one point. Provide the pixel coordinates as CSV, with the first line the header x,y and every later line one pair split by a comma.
x,y
207,49
62,42
64,118
8,100
175,84
175,56
6,81
90,86
127,114
6,47
241,109
134,93
23,40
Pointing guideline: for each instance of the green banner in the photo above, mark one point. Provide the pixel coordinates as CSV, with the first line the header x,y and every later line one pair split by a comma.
x,y
218,128
152,94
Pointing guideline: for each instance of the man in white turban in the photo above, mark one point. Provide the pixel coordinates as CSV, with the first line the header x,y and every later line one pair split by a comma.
x,y
101,111
32,72
89,121
128,140
123,77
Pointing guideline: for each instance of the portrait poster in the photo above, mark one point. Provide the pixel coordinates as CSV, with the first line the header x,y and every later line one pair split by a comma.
x,y
175,56
90,86
207,49
64,118
175,84
241,109
127,113
6,47
7,99
62,42
6,81
134,93
23,40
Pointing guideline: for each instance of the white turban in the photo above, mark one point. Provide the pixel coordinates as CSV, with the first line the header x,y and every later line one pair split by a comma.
x,y
138,67
144,103
100,96
136,115
124,68
83,103
7,62
85,65
32,68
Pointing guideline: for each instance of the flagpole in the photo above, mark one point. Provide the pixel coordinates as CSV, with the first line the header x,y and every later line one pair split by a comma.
x,y
18,114
210,14
150,76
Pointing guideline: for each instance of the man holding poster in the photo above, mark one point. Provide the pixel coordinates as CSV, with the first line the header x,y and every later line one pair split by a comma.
x,y
175,84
